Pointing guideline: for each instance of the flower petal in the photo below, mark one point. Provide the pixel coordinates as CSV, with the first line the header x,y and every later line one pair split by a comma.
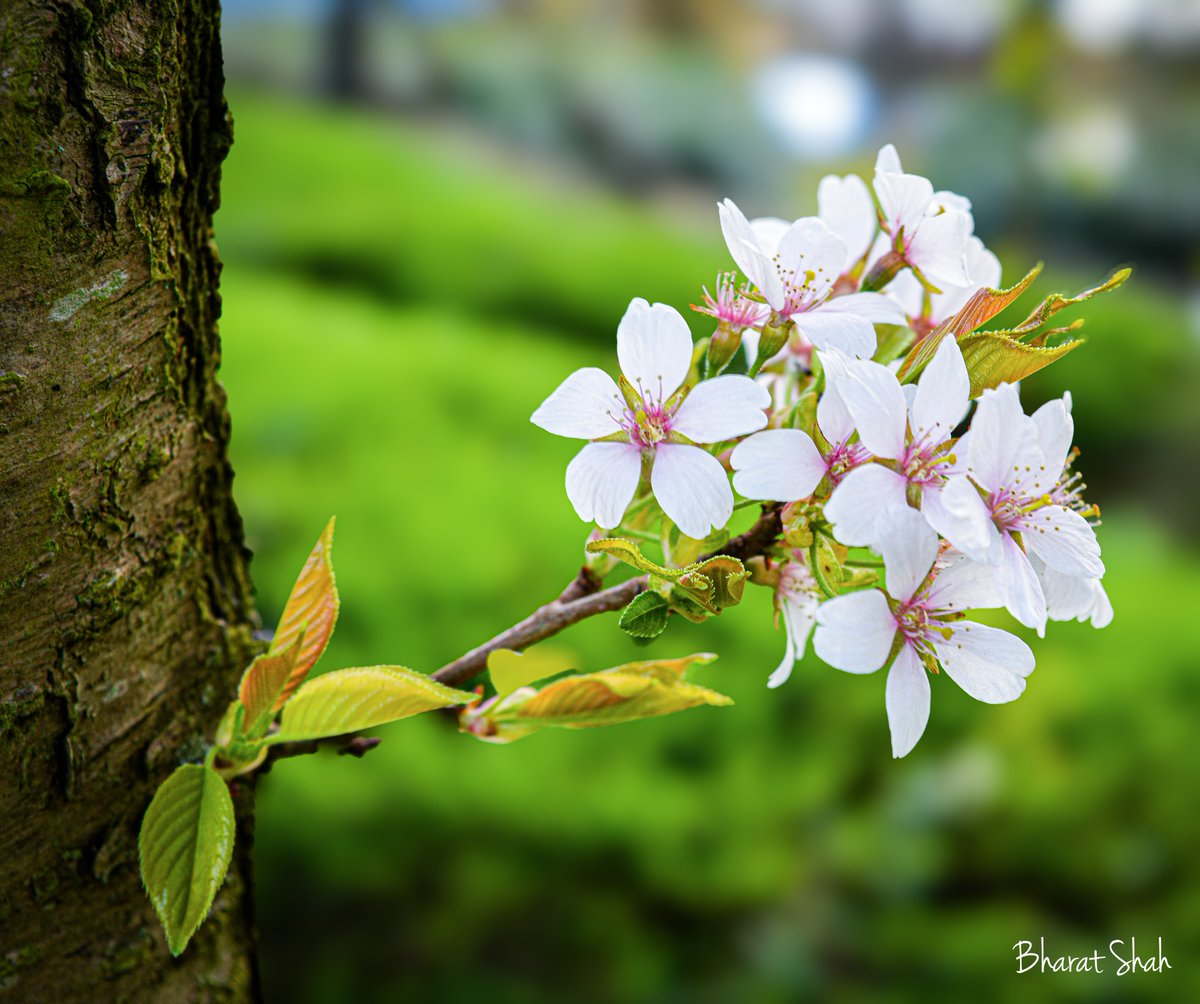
x,y
586,405
692,488
873,395
812,253
833,418
939,248
799,614
999,431
1069,597
654,346
1056,429
888,160
779,464
829,329
601,481
1019,585
846,206
943,393
855,631
908,547
722,408
855,506
875,307
1064,540
907,700
958,513
747,253
904,199
964,585
989,664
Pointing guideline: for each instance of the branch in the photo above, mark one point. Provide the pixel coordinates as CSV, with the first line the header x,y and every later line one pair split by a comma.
x,y
583,598
346,745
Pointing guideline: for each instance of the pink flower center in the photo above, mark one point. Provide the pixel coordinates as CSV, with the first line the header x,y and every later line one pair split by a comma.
x,y
843,458
921,461
649,425
731,306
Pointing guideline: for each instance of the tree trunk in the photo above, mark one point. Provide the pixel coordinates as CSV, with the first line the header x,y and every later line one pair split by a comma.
x,y
125,606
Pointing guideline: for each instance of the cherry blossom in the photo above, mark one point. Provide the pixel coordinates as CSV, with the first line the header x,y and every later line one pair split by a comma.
x,y
846,207
928,229
930,309
912,439
785,465
796,599
653,422
794,266
917,625
1020,465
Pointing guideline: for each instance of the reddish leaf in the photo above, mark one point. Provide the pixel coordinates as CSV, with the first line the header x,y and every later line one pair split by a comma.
x,y
263,684
311,611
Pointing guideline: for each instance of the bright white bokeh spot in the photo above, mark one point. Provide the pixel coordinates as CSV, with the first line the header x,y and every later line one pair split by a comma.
x,y
1101,25
816,106
1092,148
956,25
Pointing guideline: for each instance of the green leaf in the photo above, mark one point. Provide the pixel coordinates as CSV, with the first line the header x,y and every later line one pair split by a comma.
x,y
628,552
263,684
645,617
993,358
714,583
610,697
1057,301
348,700
311,610
184,848
510,670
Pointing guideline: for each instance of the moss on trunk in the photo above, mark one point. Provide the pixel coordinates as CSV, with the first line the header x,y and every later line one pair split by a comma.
x,y
125,606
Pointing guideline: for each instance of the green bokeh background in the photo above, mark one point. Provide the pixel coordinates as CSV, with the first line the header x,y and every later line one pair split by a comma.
x,y
397,300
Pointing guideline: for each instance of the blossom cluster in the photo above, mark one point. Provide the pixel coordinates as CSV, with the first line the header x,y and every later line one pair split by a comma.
x,y
837,385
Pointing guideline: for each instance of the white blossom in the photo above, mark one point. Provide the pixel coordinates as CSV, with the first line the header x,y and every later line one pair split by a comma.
x,y
917,625
795,267
796,599
657,426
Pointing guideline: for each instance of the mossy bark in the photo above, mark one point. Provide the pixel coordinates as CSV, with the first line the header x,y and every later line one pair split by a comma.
x,y
125,606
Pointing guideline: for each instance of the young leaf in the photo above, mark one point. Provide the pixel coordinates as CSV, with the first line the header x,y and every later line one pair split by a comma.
x,y
263,684
610,697
628,552
715,583
348,700
993,358
184,848
510,670
983,305
311,610
645,617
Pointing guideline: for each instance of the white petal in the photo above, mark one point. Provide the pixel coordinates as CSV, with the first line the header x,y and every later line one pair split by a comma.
x,y
601,481
989,664
1055,429
833,417
904,199
999,431
780,464
847,333
654,347
846,206
722,408
586,405
875,307
984,269
745,250
958,513
1071,598
908,547
939,248
858,501
965,585
692,488
1064,540
855,631
768,232
943,393
907,291
809,246
1019,585
873,395
907,699
799,614
888,160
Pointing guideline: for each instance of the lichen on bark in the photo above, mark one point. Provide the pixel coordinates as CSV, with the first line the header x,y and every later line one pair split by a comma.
x,y
125,605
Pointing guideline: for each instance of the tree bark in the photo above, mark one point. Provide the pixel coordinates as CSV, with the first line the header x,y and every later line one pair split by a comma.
x,y
125,606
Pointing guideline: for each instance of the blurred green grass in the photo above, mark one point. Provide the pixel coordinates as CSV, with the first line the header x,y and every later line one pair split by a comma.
x,y
770,851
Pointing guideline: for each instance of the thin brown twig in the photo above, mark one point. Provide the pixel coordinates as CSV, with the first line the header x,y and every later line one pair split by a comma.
x,y
583,598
